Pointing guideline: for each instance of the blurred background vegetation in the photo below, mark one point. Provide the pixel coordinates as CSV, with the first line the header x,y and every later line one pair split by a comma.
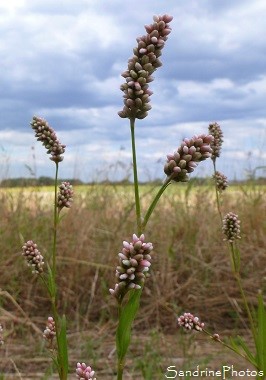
x,y
190,272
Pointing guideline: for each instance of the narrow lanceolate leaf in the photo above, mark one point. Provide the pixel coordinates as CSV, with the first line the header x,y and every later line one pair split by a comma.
x,y
261,335
247,351
62,349
126,319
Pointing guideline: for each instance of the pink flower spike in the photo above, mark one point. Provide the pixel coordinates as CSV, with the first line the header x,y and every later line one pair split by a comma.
x,y
84,372
132,271
188,155
141,66
189,322
145,263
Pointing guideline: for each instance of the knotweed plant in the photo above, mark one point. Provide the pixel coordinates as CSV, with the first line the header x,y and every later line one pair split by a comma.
x,y
55,331
135,256
230,226
189,322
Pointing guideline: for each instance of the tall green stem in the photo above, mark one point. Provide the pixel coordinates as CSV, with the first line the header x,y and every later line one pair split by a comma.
x,y
154,203
236,266
135,173
55,222
230,347
251,322
217,194
61,371
121,359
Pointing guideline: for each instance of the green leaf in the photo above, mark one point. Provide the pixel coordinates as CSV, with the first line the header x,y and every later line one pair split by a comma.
x,y
126,318
247,351
239,346
21,238
62,349
261,335
51,283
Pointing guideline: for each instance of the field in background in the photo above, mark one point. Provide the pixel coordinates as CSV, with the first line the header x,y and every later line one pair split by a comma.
x,y
190,272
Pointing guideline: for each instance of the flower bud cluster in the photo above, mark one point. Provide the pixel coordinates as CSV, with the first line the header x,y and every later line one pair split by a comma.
x,y
231,227
33,257
135,260
50,332
1,335
85,372
140,67
47,136
221,181
186,158
65,195
189,322
216,337
216,145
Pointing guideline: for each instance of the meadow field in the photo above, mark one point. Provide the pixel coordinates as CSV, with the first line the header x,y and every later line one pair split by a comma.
x,y
190,272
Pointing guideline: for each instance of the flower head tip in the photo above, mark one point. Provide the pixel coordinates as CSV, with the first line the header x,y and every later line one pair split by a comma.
x,y
140,67
65,195
231,227
33,256
84,372
186,158
216,145
50,331
134,264
221,181
47,136
189,322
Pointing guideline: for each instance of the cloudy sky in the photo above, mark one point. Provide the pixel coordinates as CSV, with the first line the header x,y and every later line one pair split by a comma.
x,y
61,60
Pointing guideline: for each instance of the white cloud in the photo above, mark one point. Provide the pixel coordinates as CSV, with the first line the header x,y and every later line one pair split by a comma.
x,y
62,60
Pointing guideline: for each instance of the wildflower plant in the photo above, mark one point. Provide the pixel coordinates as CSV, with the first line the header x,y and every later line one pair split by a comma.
x,y
230,226
135,257
56,325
